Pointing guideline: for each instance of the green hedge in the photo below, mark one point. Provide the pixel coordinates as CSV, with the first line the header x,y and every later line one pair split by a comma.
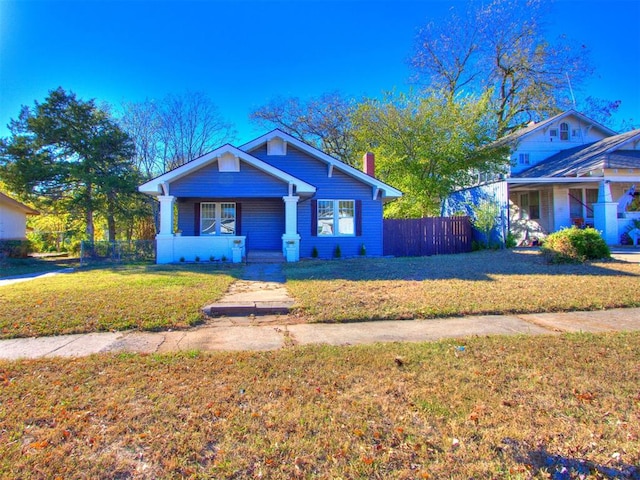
x,y
575,245
15,248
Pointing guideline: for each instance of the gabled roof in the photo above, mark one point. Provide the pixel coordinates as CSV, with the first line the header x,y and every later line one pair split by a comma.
x,y
387,190
537,126
573,162
6,200
158,185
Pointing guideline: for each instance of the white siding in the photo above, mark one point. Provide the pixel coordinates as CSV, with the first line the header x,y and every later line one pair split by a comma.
x,y
12,223
541,145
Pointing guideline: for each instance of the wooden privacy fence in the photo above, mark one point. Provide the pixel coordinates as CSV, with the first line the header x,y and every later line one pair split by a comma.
x,y
415,237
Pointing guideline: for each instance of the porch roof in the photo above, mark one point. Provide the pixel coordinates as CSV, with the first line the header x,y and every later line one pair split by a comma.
x,y
161,185
10,202
607,153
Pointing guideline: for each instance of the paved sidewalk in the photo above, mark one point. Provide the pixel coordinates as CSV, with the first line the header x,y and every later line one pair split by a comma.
x,y
273,333
32,276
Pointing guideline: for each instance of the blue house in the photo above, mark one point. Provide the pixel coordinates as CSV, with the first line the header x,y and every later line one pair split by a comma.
x,y
273,194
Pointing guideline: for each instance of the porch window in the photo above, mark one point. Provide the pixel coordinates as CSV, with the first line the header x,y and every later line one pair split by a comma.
x,y
591,195
581,202
336,217
217,218
530,205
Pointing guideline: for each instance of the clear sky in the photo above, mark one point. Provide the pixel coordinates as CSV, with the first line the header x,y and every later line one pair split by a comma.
x,y
244,53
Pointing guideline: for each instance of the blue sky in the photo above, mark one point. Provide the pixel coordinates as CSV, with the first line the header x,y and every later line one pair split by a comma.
x,y
244,53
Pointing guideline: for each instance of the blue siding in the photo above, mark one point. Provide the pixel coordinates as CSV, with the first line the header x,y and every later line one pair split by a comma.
x,y
261,221
249,182
464,201
339,186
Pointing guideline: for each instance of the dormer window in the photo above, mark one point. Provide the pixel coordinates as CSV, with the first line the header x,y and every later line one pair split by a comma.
x,y
553,132
564,131
523,159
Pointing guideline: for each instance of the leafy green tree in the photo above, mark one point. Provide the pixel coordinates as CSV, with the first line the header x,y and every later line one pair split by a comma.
x,y
426,146
500,46
66,154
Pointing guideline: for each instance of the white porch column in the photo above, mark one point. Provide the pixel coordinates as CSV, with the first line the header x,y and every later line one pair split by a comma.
x,y
166,214
605,214
164,239
291,239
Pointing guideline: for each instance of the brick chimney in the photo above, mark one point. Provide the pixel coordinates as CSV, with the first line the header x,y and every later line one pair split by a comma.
x,y
369,164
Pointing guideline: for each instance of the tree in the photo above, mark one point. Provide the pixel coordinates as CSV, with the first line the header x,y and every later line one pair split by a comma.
x,y
426,146
67,154
500,47
174,130
324,122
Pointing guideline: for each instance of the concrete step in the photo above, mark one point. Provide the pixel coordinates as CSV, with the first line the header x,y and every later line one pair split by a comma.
x,y
265,256
243,309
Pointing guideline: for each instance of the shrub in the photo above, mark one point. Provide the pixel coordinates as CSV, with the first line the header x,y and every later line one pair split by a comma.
x,y
574,245
314,252
363,250
511,241
15,248
337,253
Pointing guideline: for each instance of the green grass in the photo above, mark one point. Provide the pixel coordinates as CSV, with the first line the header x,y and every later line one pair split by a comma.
x,y
504,407
10,267
134,297
486,282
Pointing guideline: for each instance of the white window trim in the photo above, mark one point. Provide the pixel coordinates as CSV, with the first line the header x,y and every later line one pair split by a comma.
x,y
218,217
336,217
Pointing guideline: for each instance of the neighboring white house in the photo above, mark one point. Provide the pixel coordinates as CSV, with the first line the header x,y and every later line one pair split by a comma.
x,y
567,170
13,218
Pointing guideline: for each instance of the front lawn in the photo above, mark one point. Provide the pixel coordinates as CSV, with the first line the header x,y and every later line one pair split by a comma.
x,y
500,407
121,298
486,282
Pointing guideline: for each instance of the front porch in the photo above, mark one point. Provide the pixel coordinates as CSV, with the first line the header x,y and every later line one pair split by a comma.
x,y
226,229
537,209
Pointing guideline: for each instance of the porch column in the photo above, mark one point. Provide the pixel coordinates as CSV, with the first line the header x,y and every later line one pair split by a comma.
x,y
166,214
291,239
605,214
165,239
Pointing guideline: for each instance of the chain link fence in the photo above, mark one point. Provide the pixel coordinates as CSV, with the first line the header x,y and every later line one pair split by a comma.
x,y
117,252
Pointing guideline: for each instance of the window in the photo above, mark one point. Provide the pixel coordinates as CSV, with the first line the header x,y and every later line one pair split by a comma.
x,y
581,202
530,206
553,132
217,218
523,159
336,217
591,194
564,131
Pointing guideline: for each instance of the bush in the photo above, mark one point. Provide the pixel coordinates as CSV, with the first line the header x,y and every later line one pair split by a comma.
x,y
574,245
15,248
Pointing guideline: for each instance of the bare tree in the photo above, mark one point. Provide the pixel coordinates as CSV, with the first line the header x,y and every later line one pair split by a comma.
x,y
501,48
324,122
175,130
190,126
141,121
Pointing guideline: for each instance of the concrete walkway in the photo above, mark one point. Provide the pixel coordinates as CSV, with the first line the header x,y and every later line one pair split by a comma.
x,y
32,276
273,332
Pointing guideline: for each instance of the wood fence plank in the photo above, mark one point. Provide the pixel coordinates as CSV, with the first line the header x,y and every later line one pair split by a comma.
x,y
426,236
